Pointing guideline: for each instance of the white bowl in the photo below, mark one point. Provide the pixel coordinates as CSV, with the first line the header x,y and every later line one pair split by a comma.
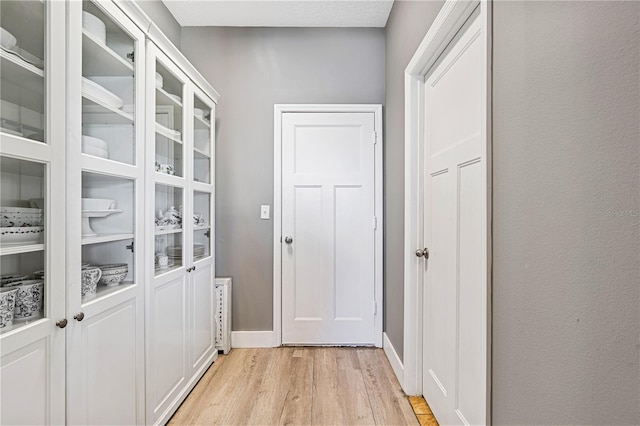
x,y
23,234
7,40
97,152
7,279
94,26
94,142
159,80
98,204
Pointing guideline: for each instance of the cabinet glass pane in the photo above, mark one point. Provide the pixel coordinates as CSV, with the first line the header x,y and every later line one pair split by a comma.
x,y
201,141
169,147
22,71
168,229
201,225
22,235
108,226
108,88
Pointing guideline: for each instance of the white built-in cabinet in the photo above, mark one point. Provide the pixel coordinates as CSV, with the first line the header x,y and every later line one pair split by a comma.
x,y
180,297
130,353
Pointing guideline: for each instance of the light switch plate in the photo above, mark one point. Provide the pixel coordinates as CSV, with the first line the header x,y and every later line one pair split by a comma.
x,y
264,212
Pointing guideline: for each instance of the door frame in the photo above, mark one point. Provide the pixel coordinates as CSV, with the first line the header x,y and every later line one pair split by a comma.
x,y
449,21
279,110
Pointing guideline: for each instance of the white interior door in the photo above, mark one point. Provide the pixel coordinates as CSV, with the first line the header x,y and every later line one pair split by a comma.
x,y
455,302
328,229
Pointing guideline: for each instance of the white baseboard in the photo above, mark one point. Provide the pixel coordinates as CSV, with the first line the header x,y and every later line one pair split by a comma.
x,y
252,339
393,357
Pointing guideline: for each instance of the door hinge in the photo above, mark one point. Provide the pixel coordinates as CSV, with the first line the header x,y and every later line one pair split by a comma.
x,y
375,222
375,138
375,308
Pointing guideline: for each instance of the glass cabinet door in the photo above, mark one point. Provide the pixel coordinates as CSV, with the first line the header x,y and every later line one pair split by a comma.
x,y
169,135
22,69
32,212
105,181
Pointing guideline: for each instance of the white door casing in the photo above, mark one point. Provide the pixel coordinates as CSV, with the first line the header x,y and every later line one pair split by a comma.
x,y
447,209
330,207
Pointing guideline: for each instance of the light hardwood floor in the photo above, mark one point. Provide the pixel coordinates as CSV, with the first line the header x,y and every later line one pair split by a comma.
x,y
298,386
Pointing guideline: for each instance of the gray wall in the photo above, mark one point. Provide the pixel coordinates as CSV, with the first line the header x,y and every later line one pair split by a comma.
x,y
408,23
566,198
253,69
161,16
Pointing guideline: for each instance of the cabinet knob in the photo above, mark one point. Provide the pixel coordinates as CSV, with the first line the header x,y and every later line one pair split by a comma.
x,y
62,323
79,316
423,253
288,240
193,269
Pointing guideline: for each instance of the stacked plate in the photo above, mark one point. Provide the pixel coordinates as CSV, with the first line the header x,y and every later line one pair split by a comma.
x,y
95,146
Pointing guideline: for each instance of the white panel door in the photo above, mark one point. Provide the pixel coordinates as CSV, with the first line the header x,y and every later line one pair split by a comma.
x,y
454,365
328,228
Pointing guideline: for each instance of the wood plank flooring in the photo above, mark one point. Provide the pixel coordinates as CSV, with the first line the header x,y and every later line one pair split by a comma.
x,y
298,386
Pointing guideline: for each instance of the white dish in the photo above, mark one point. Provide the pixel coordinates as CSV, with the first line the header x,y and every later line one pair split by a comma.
x,y
175,97
96,152
7,40
98,204
94,26
93,90
23,234
198,113
159,80
94,142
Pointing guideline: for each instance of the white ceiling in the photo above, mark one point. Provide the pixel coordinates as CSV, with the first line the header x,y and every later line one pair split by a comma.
x,y
280,13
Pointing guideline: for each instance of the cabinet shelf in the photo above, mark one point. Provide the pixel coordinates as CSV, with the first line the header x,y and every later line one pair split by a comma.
x,y
168,269
17,324
103,291
98,60
163,98
6,249
105,166
22,83
106,238
201,123
168,133
96,112
200,153
201,227
168,231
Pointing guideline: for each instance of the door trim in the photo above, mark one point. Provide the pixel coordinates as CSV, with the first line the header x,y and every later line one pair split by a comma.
x,y
449,21
280,109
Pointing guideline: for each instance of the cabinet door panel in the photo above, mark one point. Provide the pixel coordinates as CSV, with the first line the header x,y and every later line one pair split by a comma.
x,y
24,385
109,342
169,342
202,315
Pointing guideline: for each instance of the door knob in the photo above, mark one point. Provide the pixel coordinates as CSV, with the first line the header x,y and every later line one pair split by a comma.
x,y
79,316
288,240
62,323
424,252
